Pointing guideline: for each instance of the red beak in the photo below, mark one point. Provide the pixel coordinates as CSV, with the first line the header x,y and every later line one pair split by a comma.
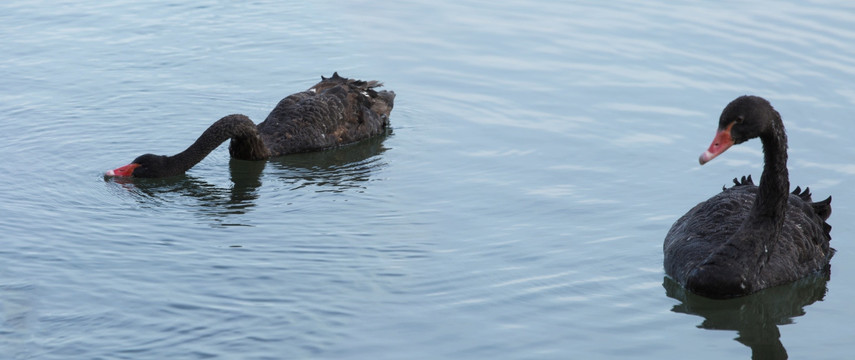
x,y
720,143
127,170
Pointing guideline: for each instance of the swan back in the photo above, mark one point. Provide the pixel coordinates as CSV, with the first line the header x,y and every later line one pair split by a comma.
x,y
334,112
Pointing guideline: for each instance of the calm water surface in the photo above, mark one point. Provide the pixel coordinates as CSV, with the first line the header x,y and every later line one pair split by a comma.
x,y
539,153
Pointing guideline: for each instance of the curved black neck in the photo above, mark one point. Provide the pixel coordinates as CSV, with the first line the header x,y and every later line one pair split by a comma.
x,y
771,201
237,127
758,236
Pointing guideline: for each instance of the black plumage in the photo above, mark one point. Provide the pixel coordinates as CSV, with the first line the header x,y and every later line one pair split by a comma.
x,y
748,238
334,112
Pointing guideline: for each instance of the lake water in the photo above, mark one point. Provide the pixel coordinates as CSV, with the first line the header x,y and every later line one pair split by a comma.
x,y
540,151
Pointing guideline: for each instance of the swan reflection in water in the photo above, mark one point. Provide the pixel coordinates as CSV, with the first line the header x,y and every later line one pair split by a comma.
x,y
338,170
347,168
755,317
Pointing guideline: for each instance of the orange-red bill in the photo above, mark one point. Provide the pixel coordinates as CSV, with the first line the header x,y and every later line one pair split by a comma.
x,y
127,170
720,143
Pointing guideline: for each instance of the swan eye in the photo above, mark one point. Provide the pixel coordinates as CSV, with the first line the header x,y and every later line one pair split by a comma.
x,y
739,119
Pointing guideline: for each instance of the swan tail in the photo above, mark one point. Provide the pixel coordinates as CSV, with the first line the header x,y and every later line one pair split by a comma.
x,y
823,209
360,84
381,102
820,208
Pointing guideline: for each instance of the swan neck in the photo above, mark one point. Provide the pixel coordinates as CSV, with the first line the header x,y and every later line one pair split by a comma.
x,y
774,182
235,127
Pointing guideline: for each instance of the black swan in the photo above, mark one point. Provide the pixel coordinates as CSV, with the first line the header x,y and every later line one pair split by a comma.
x,y
748,238
334,112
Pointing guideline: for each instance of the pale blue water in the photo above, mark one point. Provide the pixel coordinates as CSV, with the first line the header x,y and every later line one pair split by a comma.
x,y
540,152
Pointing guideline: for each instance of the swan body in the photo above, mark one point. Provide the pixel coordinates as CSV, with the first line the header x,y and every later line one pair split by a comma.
x,y
334,112
748,238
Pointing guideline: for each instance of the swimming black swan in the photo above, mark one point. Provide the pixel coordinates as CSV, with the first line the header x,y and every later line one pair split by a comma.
x,y
748,238
334,112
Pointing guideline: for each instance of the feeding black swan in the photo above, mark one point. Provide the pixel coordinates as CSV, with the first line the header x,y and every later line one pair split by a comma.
x,y
748,238
334,112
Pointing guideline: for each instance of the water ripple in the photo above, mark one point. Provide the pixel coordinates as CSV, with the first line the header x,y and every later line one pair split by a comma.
x,y
540,151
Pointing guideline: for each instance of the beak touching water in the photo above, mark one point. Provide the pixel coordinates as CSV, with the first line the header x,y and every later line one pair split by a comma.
x,y
127,170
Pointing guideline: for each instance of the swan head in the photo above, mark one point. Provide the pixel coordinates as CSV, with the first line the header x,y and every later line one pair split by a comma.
x,y
144,166
745,118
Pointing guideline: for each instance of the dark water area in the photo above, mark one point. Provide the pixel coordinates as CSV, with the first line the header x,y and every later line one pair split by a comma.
x,y
538,155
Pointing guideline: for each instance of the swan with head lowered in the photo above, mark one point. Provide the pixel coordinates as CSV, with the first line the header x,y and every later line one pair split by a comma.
x,y
335,112
748,238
